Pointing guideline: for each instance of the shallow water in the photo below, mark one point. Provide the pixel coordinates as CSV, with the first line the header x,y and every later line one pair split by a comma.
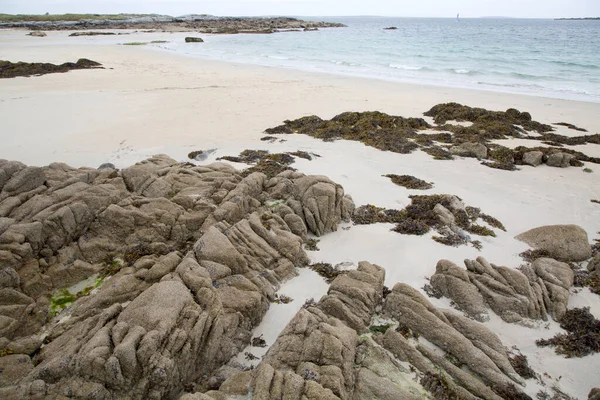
x,y
548,58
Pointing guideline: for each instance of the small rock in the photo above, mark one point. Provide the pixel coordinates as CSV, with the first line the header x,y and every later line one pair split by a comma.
x,y
470,149
559,160
390,28
107,166
37,34
533,158
193,40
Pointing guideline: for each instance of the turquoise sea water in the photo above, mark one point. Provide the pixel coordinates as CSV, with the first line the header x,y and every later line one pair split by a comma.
x,y
541,57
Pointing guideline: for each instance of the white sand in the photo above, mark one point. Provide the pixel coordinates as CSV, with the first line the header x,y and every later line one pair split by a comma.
x,y
150,101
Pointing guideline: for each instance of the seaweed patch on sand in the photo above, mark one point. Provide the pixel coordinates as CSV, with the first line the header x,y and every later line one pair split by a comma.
x,y
446,214
409,182
12,70
405,135
267,163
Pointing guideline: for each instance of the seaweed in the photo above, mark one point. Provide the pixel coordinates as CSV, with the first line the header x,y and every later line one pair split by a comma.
x,y
480,230
583,335
282,299
12,70
570,126
532,255
411,226
311,245
432,292
407,332
521,366
500,165
258,341
438,153
584,278
492,221
453,240
401,135
485,119
327,271
380,328
438,386
409,182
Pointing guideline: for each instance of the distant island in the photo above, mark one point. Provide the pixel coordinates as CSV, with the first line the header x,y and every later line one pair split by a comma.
x,y
578,19
197,23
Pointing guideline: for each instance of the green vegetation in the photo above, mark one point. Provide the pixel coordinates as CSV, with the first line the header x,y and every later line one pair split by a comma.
x,y
135,44
158,42
63,298
380,328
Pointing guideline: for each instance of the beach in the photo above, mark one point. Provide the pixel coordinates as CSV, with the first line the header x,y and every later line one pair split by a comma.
x,y
149,101
146,100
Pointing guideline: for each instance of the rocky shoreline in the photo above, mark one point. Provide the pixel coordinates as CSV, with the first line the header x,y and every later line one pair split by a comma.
x,y
192,23
146,282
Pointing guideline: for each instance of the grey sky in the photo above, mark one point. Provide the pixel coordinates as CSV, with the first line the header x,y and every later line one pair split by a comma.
x,y
412,8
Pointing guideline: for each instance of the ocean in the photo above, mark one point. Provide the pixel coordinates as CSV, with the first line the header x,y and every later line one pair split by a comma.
x,y
549,58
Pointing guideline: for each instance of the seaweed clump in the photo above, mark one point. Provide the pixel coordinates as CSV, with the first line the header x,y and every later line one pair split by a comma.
x,y
521,366
583,335
409,182
486,124
373,128
422,215
438,386
13,70
327,271
570,126
269,164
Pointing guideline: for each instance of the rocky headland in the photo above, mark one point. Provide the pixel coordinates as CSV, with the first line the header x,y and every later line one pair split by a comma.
x,y
146,282
189,23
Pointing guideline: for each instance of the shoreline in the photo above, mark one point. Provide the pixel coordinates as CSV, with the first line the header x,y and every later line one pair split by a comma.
x,y
145,96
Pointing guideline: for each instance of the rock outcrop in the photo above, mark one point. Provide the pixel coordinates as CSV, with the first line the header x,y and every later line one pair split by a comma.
x,y
533,292
481,368
563,242
190,256
322,355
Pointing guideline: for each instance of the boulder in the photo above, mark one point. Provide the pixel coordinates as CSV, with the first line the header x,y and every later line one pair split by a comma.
x,y
470,149
563,242
533,158
37,34
193,40
559,160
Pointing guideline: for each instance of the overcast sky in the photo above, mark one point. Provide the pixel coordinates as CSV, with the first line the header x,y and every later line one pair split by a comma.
x,y
405,8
